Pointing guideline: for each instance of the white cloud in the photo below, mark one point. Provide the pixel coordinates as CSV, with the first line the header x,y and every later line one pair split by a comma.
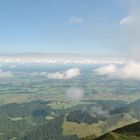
x,y
106,69
127,71
69,74
98,111
131,21
6,74
76,20
131,70
75,93
127,116
127,20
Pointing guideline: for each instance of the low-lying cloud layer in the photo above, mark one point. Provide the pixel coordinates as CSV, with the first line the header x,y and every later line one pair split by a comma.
x,y
75,93
127,71
56,59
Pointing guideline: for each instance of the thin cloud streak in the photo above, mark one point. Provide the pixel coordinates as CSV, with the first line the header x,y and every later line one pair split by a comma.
x,y
76,20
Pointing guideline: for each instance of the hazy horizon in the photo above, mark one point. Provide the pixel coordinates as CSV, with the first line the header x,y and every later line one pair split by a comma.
x,y
100,28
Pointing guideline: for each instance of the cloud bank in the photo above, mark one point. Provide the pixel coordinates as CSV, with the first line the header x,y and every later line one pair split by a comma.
x,y
56,59
109,69
75,93
127,71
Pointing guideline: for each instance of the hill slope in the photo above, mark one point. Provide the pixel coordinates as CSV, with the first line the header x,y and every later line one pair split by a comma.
x,y
48,131
129,132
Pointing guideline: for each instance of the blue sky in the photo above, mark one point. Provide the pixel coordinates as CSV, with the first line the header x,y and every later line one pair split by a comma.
x,y
62,26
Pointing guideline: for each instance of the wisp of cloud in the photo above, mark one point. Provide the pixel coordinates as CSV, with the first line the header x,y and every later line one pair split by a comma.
x,y
74,93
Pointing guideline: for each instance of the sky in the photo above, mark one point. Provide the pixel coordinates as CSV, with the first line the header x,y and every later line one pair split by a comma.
x,y
95,27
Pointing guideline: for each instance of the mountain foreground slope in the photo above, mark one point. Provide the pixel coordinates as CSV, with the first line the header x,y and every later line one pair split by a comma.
x,y
129,132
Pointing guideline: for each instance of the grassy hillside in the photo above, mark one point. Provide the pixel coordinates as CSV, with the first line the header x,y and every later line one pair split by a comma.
x,y
129,132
